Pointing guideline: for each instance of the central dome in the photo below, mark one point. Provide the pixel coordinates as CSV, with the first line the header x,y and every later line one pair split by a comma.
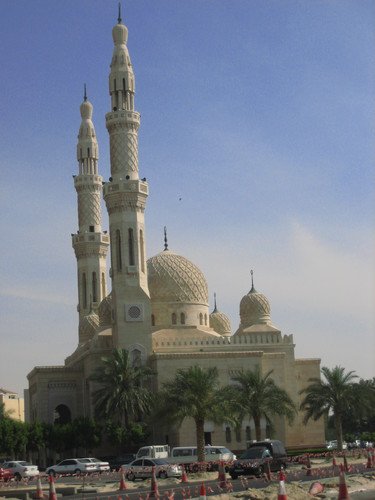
x,y
173,278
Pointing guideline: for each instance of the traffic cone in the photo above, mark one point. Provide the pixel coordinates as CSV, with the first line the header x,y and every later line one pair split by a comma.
x,y
369,460
343,489
334,463
222,479
39,491
282,491
308,466
184,478
52,490
202,492
154,493
122,486
282,475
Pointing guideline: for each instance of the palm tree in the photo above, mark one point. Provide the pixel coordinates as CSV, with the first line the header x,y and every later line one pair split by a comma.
x,y
123,393
258,396
195,393
335,394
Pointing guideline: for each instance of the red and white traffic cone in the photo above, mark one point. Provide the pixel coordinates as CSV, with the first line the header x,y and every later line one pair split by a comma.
x,y
52,490
343,489
202,492
184,478
308,466
154,493
222,479
39,491
268,471
282,491
122,486
282,475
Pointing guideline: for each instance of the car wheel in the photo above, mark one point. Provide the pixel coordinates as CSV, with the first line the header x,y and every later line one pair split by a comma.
x,y
18,476
51,472
77,472
130,476
163,474
233,475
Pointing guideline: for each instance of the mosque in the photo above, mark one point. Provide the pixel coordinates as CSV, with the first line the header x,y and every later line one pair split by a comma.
x,y
158,308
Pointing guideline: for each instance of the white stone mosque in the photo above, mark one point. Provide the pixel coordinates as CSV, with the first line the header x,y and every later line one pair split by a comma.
x,y
157,308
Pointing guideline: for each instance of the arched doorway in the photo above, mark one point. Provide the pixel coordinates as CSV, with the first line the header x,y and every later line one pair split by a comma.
x,y
62,415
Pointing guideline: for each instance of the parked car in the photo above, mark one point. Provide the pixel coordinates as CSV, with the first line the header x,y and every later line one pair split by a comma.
x,y
21,469
73,466
101,465
6,474
258,457
141,468
115,463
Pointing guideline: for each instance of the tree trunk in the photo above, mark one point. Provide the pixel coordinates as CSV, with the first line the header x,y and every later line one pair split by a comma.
x,y
258,431
338,426
199,426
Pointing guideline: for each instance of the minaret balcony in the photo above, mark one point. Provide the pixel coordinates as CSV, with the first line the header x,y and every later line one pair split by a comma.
x,y
135,186
89,237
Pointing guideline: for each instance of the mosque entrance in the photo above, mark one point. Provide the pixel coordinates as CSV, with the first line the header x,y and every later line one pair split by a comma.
x,y
62,415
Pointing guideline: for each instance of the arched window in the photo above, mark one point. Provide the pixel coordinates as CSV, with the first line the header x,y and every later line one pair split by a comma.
x,y
201,319
205,319
152,320
62,415
174,319
84,291
118,250
94,288
142,247
136,357
182,318
228,435
131,247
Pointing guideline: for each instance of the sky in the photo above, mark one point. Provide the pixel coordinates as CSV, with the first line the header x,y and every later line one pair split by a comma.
x,y
256,139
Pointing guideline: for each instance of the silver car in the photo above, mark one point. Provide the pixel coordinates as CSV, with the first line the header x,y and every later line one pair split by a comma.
x,y
21,468
141,468
73,466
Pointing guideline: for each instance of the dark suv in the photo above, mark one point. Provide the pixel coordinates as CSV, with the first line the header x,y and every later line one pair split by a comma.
x,y
253,462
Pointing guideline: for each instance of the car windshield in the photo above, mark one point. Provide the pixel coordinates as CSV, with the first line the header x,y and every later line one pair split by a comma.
x,y
224,450
253,453
160,461
94,460
24,463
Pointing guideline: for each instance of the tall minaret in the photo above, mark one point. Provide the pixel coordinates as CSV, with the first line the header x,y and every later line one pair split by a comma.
x,y
125,196
90,243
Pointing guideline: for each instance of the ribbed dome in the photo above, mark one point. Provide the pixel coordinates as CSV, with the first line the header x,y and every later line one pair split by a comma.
x,y
88,326
173,278
104,311
254,309
220,323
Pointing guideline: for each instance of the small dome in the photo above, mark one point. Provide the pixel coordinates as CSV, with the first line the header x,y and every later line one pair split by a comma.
x,y
173,278
220,323
120,34
105,311
88,326
254,309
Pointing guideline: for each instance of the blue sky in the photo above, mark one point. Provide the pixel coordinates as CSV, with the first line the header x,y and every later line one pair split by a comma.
x,y
258,114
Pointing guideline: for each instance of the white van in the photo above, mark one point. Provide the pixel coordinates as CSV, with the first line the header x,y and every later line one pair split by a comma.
x,y
156,451
188,454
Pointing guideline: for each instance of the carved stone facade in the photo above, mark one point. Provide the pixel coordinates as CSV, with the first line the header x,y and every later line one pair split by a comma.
x,y
157,309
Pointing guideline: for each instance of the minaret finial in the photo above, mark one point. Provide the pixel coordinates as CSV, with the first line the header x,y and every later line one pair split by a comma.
x,y
84,93
119,13
165,238
252,281
215,308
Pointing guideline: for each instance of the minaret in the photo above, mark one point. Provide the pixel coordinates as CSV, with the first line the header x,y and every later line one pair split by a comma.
x,y
125,196
90,243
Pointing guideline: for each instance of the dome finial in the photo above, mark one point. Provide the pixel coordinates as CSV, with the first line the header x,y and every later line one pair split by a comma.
x,y
119,13
84,93
252,282
215,308
165,238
